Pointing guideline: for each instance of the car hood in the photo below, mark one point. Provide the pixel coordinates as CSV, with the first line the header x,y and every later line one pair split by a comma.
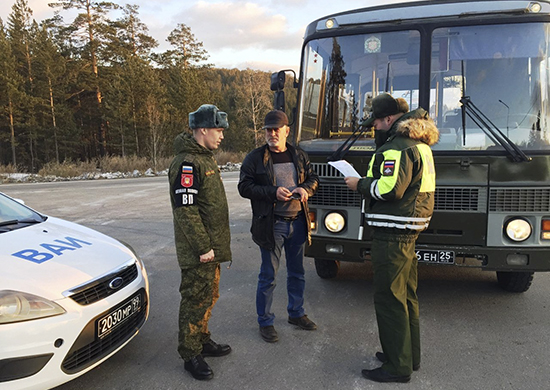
x,y
51,257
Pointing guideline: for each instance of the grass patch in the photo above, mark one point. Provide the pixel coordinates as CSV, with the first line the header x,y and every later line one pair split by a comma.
x,y
8,168
67,168
131,163
223,157
115,164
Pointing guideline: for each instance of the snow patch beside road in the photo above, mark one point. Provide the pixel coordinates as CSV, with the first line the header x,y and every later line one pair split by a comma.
x,y
35,178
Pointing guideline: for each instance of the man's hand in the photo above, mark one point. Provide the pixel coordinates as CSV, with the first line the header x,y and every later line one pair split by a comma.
x,y
283,194
207,257
351,182
302,193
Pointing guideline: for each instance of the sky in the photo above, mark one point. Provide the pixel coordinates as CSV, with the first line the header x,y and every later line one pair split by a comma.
x,y
260,34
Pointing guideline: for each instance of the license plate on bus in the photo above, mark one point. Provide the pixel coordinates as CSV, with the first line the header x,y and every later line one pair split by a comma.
x,y
118,316
435,256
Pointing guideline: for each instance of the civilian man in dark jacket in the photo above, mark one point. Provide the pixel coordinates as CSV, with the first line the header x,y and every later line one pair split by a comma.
x,y
278,180
201,229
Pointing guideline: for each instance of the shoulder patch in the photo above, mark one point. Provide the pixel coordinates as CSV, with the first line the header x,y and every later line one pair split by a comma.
x,y
187,176
186,185
210,172
389,168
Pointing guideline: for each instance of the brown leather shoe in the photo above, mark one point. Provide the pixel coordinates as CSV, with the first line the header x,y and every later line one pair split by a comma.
x,y
303,322
269,334
199,368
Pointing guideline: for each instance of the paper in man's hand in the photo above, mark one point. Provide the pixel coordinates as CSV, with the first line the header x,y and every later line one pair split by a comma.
x,y
345,168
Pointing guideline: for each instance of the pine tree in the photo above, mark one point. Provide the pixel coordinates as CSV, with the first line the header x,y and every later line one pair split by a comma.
x,y
187,51
93,24
11,89
51,71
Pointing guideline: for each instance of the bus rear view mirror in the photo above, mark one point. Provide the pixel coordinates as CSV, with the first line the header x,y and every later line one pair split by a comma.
x,y
278,81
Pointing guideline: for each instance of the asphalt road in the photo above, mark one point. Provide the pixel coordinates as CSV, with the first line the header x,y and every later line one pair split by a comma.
x,y
475,336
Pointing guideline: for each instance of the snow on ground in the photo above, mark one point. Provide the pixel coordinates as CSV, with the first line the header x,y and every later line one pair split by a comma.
x,y
34,178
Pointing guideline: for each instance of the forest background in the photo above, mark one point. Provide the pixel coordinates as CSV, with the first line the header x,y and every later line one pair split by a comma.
x,y
94,92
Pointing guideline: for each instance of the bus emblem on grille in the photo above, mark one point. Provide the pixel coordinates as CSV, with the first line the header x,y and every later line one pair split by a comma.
x,y
116,283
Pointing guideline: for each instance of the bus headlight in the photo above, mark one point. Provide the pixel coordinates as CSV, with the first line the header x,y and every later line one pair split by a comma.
x,y
335,222
518,229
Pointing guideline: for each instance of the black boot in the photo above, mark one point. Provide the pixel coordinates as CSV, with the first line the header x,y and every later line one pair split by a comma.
x,y
199,368
379,375
211,348
382,357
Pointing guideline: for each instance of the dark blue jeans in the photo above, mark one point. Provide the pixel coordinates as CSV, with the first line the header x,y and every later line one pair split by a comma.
x,y
291,236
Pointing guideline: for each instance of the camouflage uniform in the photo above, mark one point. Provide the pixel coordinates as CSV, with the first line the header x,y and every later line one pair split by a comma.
x,y
201,223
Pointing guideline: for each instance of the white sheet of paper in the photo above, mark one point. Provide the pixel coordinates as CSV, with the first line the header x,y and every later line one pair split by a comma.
x,y
345,168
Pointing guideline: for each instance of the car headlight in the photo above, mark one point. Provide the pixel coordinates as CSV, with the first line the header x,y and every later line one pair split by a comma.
x,y
335,222
16,306
518,229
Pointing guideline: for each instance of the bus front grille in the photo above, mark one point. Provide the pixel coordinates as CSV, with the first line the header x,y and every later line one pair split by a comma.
x,y
460,199
335,195
519,200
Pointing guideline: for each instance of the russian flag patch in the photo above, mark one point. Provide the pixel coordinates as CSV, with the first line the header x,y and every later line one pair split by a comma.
x,y
389,168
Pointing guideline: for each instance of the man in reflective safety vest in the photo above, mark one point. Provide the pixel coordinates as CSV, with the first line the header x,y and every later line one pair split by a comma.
x,y
399,190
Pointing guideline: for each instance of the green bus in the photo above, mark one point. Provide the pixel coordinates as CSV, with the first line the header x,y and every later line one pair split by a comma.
x,y
482,70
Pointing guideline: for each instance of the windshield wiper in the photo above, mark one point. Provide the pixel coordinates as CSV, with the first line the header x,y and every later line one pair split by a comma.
x,y
9,222
492,131
18,221
344,148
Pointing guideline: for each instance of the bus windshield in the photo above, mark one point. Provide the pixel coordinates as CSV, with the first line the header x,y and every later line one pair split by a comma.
x,y
503,69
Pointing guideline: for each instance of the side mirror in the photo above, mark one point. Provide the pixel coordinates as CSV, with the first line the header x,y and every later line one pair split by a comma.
x,y
278,81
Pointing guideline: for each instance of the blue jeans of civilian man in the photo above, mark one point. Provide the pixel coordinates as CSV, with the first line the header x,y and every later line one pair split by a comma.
x,y
290,235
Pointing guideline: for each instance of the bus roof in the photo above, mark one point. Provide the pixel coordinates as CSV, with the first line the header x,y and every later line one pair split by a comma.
x,y
425,10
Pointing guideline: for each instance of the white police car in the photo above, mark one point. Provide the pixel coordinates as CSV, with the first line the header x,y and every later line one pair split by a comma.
x,y
70,297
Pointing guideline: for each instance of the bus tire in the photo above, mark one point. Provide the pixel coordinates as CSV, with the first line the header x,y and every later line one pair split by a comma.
x,y
327,269
515,281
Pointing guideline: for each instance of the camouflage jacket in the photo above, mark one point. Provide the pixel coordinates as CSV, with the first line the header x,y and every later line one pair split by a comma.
x,y
199,204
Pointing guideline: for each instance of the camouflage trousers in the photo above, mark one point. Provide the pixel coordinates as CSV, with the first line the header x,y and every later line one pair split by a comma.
x,y
199,291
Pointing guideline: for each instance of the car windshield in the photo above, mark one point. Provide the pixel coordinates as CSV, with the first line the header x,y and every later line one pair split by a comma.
x,y
14,215
503,69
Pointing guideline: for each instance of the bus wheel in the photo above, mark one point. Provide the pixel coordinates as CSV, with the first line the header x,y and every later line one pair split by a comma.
x,y
515,281
327,269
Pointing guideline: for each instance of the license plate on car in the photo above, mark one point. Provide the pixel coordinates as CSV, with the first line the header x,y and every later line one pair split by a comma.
x,y
435,256
118,316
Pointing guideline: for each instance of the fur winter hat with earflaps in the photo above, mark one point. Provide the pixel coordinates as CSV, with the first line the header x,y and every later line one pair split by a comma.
x,y
209,117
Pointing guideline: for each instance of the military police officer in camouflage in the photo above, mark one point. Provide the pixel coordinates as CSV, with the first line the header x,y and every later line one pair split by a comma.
x,y
201,229
399,188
